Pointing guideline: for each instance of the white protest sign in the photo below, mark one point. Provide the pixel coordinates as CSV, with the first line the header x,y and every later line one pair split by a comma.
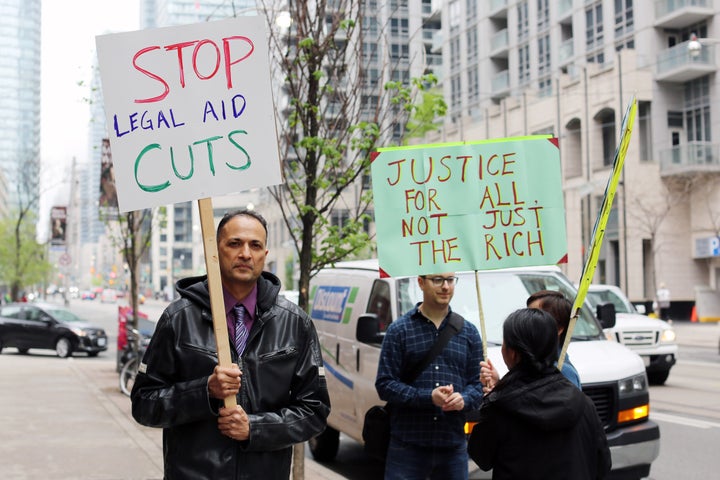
x,y
189,111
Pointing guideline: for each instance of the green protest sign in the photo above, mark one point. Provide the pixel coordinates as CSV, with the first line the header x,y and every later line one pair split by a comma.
x,y
469,206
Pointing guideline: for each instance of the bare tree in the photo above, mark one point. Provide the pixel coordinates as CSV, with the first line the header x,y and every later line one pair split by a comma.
x,y
333,112
649,213
132,237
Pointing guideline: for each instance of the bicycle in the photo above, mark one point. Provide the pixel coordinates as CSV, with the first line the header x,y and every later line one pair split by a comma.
x,y
132,359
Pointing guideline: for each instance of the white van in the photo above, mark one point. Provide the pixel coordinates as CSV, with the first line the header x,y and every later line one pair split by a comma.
x,y
352,306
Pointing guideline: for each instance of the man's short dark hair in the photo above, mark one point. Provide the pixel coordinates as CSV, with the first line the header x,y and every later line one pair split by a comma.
x,y
236,213
557,305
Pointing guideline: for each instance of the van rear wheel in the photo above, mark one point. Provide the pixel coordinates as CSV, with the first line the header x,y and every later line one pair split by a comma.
x,y
324,447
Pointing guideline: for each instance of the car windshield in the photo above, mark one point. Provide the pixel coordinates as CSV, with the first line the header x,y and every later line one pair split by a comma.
x,y
63,315
597,297
502,292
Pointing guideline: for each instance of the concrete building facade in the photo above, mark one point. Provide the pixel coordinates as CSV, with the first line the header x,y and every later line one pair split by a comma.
x,y
570,68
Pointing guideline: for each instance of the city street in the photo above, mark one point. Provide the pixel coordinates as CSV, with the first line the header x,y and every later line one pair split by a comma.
x,y
66,419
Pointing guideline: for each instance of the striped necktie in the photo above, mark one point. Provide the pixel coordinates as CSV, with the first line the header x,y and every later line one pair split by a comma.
x,y
241,331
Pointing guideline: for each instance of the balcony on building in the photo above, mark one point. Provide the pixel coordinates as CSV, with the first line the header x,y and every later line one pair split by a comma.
x,y
498,8
566,52
679,64
501,85
437,42
434,61
499,44
682,13
565,11
691,158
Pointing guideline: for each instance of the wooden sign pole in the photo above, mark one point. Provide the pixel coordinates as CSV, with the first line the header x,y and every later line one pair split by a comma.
x,y
217,304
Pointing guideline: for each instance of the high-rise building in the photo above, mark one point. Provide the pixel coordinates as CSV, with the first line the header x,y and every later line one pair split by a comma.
x,y
569,68
20,101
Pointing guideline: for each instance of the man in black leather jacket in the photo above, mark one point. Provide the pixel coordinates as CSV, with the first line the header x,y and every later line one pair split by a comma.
x,y
278,379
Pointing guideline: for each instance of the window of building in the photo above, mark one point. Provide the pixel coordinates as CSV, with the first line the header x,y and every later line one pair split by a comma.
x,y
454,14
544,67
675,119
398,5
427,7
571,149
370,77
644,129
182,222
370,52
339,217
606,119
401,75
471,9
594,34
399,51
624,22
455,53
471,38
473,81
399,27
370,27
455,93
697,110
524,64
543,15
523,20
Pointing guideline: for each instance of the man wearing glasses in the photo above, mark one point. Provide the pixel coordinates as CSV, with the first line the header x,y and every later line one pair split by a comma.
x,y
427,413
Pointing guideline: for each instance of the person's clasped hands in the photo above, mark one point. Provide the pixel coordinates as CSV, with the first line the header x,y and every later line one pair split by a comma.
x,y
446,398
225,382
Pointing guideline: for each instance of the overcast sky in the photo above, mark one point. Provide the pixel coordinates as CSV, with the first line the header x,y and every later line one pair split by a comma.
x,y
68,47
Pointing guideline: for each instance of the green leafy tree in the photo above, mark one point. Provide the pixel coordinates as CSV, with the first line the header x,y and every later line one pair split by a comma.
x,y
424,116
23,259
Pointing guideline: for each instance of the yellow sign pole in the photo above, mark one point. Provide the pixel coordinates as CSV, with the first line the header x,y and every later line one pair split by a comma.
x,y
600,224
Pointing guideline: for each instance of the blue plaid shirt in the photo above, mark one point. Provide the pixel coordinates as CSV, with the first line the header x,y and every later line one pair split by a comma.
x,y
415,419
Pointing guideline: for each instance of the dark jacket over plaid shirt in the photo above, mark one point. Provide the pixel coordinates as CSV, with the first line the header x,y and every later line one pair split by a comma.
x,y
415,419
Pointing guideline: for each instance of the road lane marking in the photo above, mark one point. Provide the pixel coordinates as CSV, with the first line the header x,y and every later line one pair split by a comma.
x,y
690,422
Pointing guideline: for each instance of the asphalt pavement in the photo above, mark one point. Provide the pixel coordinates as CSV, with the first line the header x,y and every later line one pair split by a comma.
x,y
66,419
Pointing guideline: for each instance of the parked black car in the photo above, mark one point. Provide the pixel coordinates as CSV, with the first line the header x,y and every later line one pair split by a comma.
x,y
48,326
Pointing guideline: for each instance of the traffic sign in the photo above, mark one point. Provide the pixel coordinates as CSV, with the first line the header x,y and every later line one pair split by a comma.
x,y
65,259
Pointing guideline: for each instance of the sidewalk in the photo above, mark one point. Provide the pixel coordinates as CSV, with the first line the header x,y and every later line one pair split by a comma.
x,y
66,419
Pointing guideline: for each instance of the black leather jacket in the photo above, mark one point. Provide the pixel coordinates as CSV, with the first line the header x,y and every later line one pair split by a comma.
x,y
283,387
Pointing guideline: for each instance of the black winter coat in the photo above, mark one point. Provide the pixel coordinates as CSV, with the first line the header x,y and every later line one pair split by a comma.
x,y
539,427
283,387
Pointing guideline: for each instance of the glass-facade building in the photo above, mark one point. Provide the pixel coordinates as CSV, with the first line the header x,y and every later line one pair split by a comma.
x,y
20,39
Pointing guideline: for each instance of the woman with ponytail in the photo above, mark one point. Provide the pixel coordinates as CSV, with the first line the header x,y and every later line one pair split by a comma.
x,y
535,424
